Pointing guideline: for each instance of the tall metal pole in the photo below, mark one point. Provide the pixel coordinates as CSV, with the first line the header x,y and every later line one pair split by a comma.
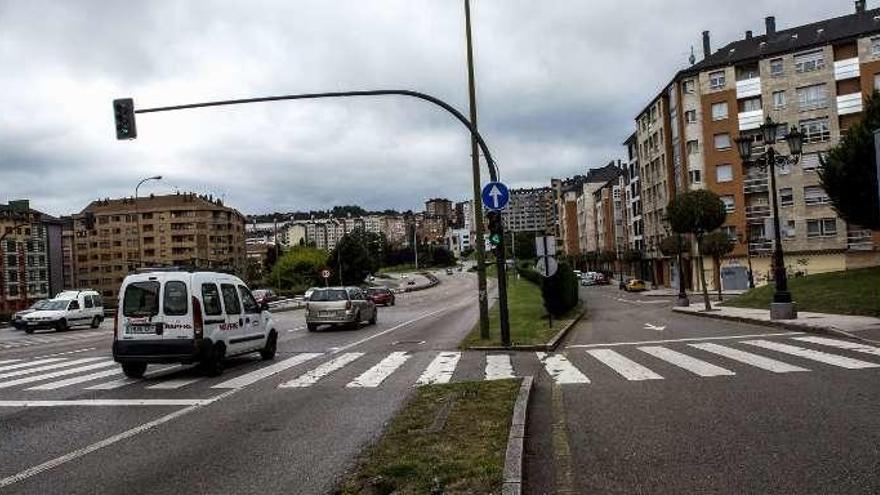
x,y
137,216
475,166
781,294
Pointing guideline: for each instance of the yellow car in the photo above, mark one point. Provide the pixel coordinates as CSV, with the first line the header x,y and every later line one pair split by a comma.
x,y
636,285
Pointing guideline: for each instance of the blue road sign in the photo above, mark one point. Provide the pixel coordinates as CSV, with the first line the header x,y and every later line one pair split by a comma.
x,y
495,195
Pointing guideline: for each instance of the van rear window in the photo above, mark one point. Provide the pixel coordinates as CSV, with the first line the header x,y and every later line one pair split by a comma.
x,y
141,299
175,300
329,295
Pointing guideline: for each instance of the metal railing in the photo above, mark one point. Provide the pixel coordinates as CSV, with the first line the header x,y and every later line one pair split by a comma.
x,y
756,184
760,246
757,212
859,240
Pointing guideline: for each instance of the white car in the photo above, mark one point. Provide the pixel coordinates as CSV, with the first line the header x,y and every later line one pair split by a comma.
x,y
185,317
68,309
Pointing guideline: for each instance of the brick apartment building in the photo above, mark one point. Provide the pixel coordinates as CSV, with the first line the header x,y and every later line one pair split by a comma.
x,y
30,256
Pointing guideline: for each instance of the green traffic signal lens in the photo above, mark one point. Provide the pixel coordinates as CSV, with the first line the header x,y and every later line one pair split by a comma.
x,y
495,239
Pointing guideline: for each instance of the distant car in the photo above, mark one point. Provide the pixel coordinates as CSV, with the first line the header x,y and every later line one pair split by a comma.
x,y
449,271
636,285
308,293
264,296
586,282
602,279
18,318
410,282
68,309
381,295
339,306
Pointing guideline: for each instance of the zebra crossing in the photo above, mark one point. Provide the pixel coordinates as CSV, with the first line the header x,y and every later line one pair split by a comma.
x,y
360,371
17,341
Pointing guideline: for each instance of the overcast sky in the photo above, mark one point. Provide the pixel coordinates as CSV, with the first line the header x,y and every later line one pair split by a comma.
x,y
558,85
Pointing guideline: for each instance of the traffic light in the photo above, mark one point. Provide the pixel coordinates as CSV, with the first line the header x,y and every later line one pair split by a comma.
x,y
496,230
123,111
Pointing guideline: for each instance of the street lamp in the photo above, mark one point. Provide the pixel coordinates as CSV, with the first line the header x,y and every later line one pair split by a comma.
x,y
138,215
782,307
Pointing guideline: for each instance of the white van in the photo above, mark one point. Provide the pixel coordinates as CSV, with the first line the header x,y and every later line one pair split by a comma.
x,y
178,316
68,309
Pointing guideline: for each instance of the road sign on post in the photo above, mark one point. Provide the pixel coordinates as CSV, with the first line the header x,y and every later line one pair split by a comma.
x,y
495,196
325,274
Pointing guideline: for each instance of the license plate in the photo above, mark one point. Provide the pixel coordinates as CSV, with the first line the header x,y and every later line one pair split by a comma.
x,y
141,330
325,313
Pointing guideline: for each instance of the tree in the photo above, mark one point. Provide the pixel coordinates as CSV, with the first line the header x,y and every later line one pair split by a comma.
x,y
673,245
717,245
697,212
849,171
358,254
560,292
299,268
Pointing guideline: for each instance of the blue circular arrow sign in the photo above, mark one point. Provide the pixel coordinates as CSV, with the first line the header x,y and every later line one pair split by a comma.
x,y
495,196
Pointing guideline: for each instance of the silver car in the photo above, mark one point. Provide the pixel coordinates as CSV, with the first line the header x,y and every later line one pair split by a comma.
x,y
339,306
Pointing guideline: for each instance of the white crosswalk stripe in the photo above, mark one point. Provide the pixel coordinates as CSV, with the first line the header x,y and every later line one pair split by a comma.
x,y
374,376
254,376
174,383
62,364
76,380
7,361
55,374
128,381
498,367
440,370
842,344
822,357
30,363
624,366
755,360
692,364
560,369
312,376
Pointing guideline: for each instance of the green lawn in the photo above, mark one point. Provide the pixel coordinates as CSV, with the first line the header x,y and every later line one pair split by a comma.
x,y
422,453
851,292
528,319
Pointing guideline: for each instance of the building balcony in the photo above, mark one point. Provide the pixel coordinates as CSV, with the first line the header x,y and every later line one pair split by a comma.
x,y
751,120
846,69
757,213
848,104
859,240
759,247
748,88
755,184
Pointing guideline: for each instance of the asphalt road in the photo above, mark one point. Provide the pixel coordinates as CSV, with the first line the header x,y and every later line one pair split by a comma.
x,y
652,421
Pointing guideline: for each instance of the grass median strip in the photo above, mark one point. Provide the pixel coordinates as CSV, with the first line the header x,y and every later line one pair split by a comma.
x,y
448,439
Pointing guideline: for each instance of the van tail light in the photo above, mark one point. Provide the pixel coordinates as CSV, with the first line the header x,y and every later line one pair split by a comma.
x,y
347,304
198,321
116,325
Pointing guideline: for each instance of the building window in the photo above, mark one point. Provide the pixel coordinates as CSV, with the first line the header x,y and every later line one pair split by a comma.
x,y
812,97
729,203
810,162
752,104
717,80
730,230
777,67
719,110
688,87
724,173
722,141
690,116
815,130
822,227
875,46
786,196
778,100
693,147
788,230
695,176
809,62
815,195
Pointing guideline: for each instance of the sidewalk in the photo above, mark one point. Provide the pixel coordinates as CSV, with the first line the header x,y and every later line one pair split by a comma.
x,y
860,327
669,292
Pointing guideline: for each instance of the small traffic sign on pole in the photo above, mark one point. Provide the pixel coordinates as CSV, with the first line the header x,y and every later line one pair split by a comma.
x,y
495,196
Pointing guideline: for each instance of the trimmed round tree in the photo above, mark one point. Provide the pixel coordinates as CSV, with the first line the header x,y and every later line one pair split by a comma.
x,y
698,213
717,245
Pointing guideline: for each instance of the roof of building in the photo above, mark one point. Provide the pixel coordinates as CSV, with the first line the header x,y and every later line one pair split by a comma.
x,y
153,203
17,207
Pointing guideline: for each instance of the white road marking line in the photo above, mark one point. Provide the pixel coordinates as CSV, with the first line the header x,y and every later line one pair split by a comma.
x,y
498,367
755,360
30,363
7,361
842,344
660,328
440,370
76,454
76,379
560,369
822,357
691,339
624,366
692,364
128,381
65,353
174,383
62,364
374,376
253,376
103,402
312,376
55,374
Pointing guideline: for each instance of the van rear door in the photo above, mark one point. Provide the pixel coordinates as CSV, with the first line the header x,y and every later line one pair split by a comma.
x,y
177,317
140,310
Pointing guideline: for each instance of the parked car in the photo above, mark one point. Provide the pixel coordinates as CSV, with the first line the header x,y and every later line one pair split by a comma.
x,y
308,293
635,285
68,309
381,295
339,306
602,279
587,281
178,316
449,271
264,296
410,282
18,318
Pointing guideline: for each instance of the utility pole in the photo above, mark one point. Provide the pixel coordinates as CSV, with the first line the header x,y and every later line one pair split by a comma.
x,y
416,246
277,253
475,165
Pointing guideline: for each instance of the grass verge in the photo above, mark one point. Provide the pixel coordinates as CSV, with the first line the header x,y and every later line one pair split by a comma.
x,y
528,318
421,453
850,292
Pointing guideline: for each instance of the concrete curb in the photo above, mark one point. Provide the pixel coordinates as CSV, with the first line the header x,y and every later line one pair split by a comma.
x,y
513,458
821,330
550,346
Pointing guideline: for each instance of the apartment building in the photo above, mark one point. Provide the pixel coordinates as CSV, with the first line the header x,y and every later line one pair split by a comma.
x,y
633,196
112,237
565,195
529,210
813,77
442,208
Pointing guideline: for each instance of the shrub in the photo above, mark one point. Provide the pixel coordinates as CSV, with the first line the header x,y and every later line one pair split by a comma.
x,y
560,292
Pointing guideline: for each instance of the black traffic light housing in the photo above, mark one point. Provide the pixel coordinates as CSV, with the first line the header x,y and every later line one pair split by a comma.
x,y
496,230
123,112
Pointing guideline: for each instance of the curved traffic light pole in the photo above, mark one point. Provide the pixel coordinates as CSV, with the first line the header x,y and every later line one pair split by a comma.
x,y
493,172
